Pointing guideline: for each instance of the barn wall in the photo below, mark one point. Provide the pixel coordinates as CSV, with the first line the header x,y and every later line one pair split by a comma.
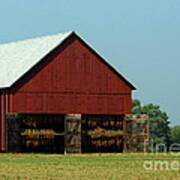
x,y
72,79
0,121
4,109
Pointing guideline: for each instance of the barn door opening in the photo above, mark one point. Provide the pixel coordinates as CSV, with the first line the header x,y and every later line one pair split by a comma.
x,y
42,133
102,133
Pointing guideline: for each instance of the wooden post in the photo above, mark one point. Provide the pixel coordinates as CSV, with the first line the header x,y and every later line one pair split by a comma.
x,y
72,133
125,134
136,133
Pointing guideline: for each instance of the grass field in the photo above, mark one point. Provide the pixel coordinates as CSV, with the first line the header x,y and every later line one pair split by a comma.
x,y
87,166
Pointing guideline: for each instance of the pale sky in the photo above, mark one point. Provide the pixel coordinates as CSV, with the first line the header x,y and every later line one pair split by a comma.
x,y
140,38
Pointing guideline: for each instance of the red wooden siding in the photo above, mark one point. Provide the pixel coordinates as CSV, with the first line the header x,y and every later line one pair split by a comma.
x,y
4,103
74,80
0,122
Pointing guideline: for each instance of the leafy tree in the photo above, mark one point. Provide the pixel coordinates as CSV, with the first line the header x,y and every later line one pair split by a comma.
x,y
175,134
158,122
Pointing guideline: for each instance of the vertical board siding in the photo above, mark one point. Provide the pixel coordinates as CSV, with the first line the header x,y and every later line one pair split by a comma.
x,y
70,103
74,81
0,121
4,109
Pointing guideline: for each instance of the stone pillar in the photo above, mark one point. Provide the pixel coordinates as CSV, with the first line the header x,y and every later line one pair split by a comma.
x,y
72,133
13,128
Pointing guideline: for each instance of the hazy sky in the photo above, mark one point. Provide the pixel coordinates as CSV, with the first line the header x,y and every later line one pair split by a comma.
x,y
140,38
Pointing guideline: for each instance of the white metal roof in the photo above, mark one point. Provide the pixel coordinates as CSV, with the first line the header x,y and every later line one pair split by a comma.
x,y
16,58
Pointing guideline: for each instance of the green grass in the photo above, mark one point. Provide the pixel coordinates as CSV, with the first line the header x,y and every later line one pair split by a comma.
x,y
86,166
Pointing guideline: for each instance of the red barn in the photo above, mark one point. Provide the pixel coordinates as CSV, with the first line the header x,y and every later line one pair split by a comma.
x,y
53,76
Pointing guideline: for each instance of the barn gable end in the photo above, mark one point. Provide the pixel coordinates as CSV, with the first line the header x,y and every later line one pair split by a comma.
x,y
73,78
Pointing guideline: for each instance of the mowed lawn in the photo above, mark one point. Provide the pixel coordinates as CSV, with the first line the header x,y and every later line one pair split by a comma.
x,y
87,166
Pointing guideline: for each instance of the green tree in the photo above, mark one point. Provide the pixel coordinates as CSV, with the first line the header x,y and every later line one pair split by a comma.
x,y
175,134
158,122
